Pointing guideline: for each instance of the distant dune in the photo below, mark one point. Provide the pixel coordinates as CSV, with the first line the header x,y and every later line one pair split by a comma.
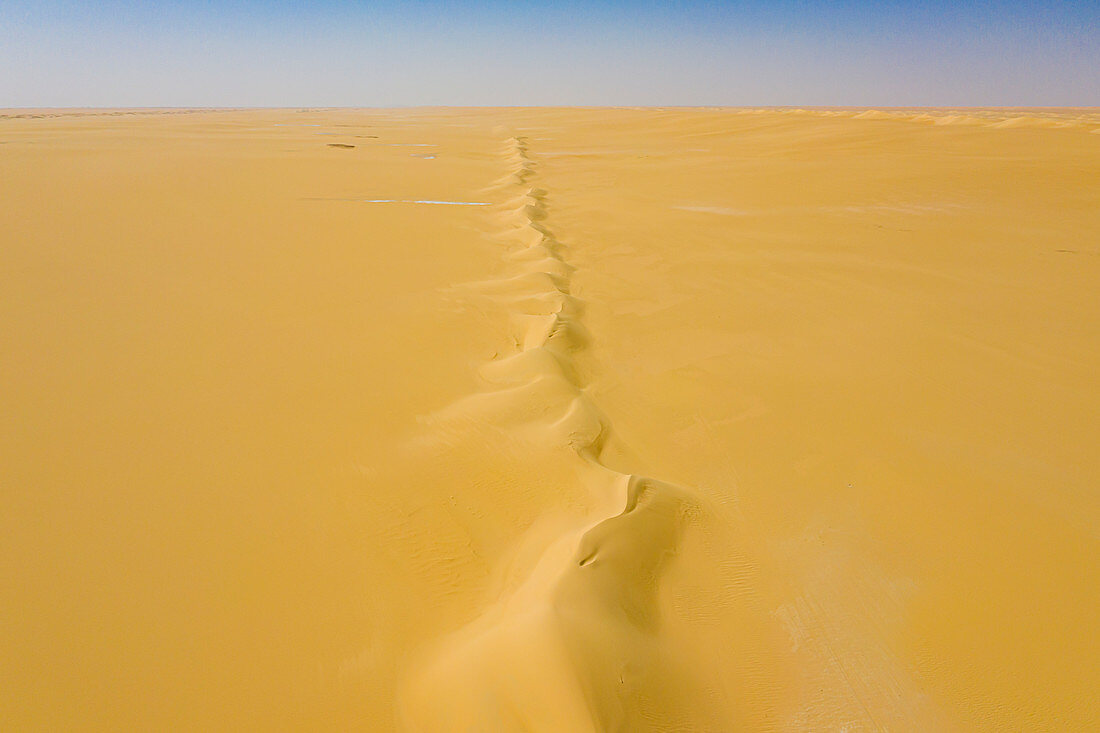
x,y
550,419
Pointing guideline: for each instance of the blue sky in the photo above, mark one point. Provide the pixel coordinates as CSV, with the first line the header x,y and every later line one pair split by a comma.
x,y
345,53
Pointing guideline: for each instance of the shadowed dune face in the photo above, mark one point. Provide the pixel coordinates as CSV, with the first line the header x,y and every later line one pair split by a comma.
x,y
566,420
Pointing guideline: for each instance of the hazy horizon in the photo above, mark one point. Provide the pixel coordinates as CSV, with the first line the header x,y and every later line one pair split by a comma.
x,y
344,54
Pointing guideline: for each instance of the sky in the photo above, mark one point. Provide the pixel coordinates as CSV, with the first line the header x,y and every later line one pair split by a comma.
x,y
124,53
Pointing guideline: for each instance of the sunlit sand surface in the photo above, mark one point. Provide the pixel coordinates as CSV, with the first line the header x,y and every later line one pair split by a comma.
x,y
550,419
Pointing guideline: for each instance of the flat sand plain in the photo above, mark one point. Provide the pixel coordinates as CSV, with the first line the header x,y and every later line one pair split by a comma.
x,y
550,419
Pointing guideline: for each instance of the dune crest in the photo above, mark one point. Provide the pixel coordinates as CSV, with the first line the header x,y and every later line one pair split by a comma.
x,y
576,645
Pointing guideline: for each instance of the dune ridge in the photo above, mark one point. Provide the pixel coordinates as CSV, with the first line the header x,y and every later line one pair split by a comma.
x,y
52,114
1004,118
589,601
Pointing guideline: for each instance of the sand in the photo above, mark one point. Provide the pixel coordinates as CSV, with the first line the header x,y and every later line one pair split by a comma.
x,y
550,419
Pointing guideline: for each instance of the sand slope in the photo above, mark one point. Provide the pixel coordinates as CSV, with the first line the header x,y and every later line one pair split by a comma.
x,y
550,419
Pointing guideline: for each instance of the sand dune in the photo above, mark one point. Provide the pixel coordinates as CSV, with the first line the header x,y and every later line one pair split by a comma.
x,y
550,419
585,619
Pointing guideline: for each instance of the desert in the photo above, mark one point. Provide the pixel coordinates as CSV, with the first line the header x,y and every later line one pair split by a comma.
x,y
550,419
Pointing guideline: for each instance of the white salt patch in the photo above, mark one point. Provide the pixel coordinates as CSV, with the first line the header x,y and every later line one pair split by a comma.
x,y
900,208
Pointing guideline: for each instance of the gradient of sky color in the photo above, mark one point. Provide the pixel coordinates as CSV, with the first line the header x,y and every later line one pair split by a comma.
x,y
117,53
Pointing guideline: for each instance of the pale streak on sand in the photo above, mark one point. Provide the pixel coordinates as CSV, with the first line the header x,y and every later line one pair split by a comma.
x,y
647,419
899,208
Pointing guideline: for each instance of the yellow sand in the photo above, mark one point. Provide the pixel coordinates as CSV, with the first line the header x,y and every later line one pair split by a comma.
x,y
709,420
